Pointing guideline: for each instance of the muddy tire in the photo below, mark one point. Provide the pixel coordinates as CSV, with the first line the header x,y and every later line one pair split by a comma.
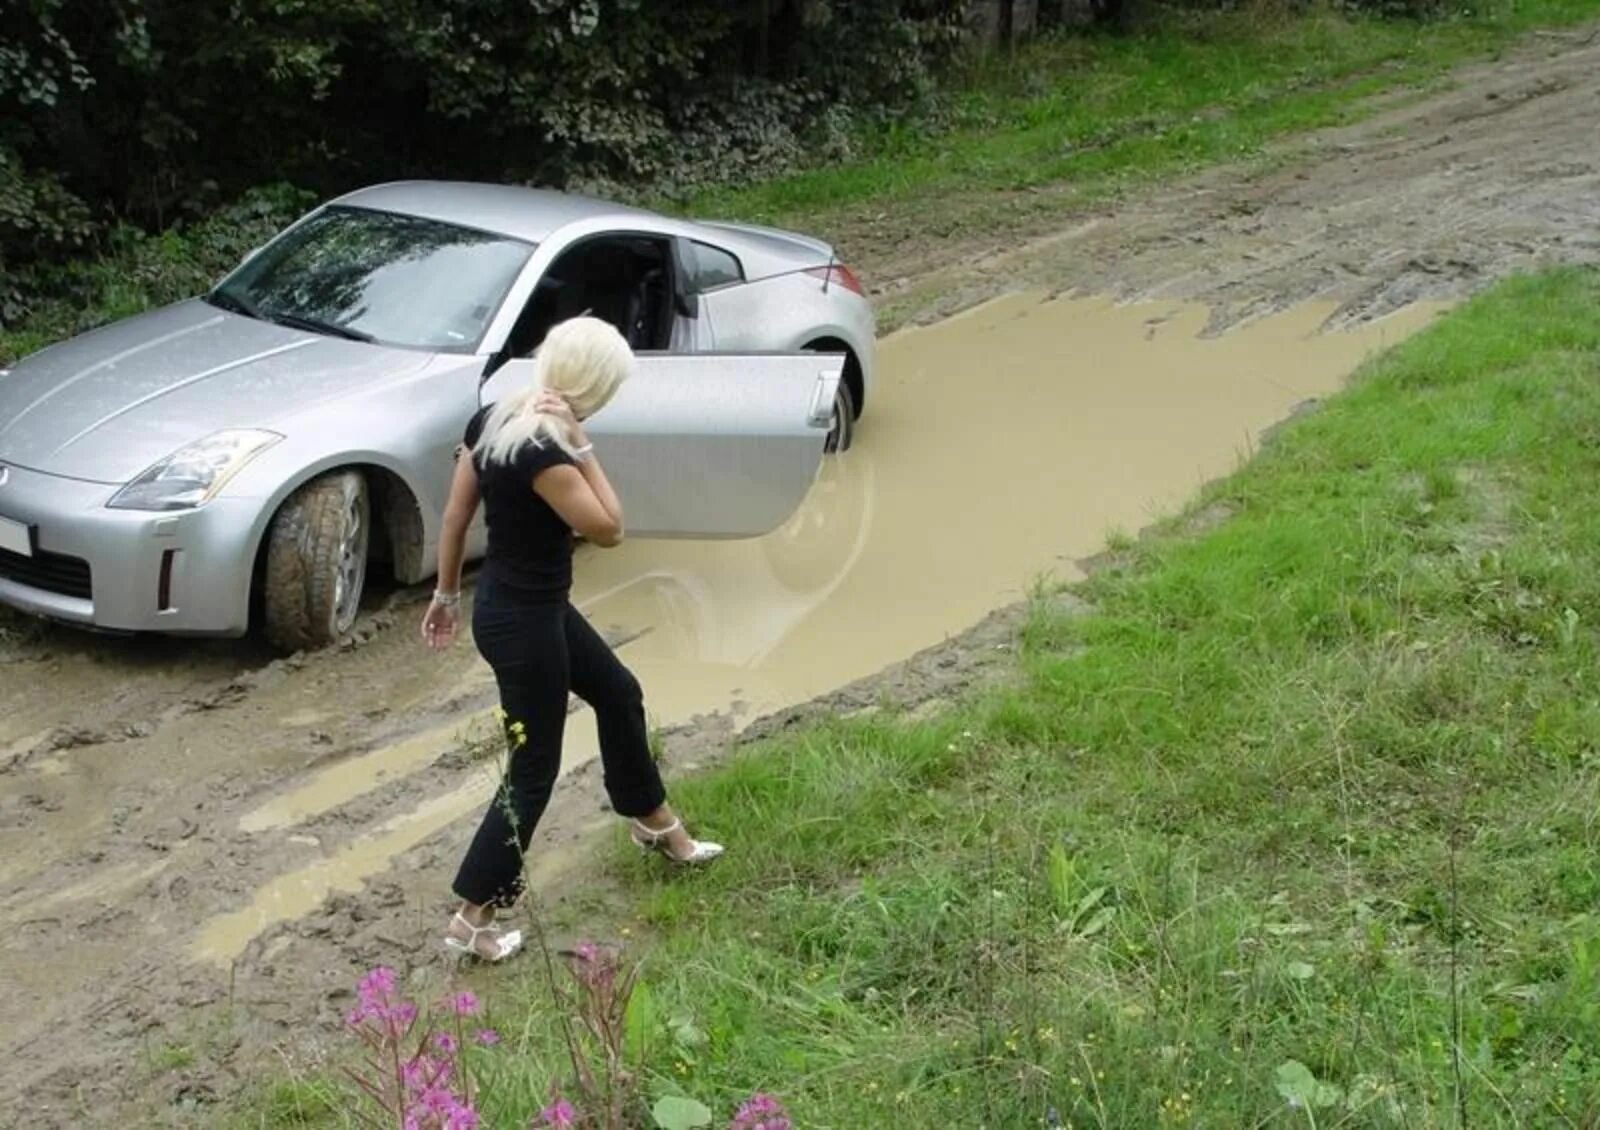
x,y
316,562
843,430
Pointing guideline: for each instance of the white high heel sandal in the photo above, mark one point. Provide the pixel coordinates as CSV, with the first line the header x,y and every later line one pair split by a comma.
x,y
651,839
506,944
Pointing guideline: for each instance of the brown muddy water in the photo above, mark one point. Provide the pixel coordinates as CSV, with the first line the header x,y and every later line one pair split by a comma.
x,y
999,446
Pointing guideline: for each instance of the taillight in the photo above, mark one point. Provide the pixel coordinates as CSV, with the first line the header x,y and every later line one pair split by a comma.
x,y
837,274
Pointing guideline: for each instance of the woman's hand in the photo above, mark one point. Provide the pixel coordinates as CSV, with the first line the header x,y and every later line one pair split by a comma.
x,y
554,404
441,624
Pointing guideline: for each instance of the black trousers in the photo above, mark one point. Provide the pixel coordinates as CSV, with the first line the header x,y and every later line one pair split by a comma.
x,y
539,652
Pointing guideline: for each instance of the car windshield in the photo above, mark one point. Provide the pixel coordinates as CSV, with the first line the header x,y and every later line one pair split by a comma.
x,y
378,276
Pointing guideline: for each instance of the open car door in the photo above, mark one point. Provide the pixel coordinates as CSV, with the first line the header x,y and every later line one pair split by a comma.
x,y
709,445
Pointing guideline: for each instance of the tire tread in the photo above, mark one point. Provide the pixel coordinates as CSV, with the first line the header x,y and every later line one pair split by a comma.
x,y
301,566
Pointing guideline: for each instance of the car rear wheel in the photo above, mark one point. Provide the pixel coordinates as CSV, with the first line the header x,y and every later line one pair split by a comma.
x,y
844,421
316,564
843,429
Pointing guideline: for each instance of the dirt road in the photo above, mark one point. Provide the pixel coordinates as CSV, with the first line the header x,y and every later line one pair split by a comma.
x,y
200,848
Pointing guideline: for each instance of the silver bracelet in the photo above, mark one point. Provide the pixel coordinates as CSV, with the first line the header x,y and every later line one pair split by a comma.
x,y
582,453
446,599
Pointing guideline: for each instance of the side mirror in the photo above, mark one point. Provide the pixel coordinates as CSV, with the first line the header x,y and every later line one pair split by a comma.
x,y
688,304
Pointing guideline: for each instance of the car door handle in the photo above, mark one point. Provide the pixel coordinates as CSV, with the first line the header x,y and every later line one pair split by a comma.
x,y
822,398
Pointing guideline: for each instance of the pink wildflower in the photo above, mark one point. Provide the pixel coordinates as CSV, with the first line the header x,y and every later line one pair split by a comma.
x,y
438,1109
445,1042
437,1100
414,1074
423,1072
377,984
596,967
761,1112
399,1016
488,1037
464,1004
559,1115
374,991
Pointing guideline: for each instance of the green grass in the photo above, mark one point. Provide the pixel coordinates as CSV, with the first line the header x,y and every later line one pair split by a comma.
x,y
287,1103
170,1057
1317,786
1095,114
1298,804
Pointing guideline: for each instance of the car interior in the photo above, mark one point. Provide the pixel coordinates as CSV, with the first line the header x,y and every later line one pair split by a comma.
x,y
624,279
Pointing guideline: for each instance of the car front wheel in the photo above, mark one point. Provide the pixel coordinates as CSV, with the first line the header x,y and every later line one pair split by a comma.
x,y
316,564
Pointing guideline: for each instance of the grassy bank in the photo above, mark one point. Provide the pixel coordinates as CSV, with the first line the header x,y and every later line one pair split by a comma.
x,y
1288,819
1010,142
1084,117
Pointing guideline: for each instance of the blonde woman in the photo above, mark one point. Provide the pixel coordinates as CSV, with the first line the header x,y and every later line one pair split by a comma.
x,y
528,461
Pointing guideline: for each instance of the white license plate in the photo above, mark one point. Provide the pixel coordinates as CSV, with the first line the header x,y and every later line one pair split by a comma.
x,y
15,537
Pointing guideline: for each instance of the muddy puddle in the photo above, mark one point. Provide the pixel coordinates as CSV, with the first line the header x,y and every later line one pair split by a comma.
x,y
1000,446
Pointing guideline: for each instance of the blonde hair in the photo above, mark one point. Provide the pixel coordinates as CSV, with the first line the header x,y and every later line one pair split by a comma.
x,y
585,360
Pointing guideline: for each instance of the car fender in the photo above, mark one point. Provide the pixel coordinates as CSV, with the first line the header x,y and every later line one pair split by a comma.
x,y
414,562
787,312
842,333
249,537
407,430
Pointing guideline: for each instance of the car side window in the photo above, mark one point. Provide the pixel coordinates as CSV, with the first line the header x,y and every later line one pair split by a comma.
x,y
713,267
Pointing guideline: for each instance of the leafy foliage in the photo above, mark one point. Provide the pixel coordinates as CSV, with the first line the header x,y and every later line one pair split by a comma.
x,y
121,117
137,271
153,111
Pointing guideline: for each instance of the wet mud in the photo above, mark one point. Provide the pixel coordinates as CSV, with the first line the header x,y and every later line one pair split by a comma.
x,y
202,846
1433,198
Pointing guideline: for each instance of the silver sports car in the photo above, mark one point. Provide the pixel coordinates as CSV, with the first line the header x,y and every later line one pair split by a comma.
x,y
246,457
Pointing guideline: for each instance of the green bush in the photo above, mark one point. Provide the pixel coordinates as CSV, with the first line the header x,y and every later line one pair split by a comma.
x,y
151,112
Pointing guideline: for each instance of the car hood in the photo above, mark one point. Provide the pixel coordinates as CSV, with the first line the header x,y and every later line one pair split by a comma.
x,y
107,404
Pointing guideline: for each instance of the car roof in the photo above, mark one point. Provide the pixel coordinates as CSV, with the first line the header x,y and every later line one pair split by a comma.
x,y
522,213
535,214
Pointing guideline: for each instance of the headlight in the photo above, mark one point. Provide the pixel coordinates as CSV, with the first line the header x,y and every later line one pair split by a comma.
x,y
193,475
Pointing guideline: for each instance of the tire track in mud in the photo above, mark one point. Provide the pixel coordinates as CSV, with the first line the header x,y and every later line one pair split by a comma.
x,y
134,774
144,861
1432,200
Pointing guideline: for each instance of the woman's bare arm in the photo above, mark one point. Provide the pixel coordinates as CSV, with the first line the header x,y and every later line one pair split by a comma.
x,y
580,496
595,476
459,511
583,496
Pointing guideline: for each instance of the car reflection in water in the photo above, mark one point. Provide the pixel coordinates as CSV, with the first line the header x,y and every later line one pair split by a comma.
x,y
729,605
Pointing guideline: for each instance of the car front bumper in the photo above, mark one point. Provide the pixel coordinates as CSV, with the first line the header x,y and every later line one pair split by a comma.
x,y
182,572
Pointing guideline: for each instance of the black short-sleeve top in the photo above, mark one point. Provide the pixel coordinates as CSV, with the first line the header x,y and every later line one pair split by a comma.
x,y
530,545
